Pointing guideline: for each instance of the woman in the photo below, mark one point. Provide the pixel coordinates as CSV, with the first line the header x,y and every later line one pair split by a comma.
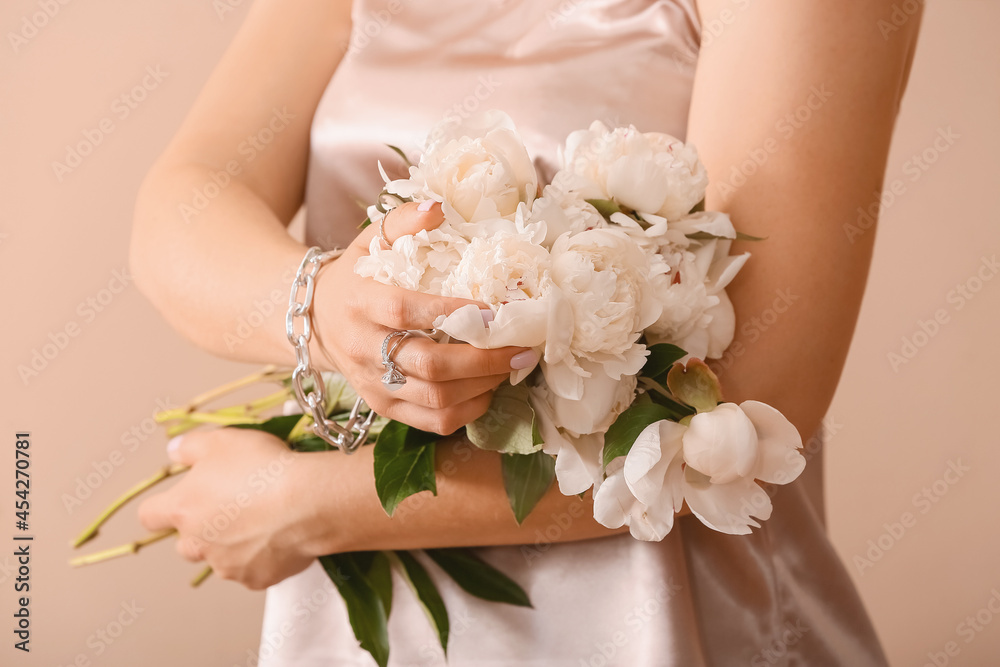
x,y
791,106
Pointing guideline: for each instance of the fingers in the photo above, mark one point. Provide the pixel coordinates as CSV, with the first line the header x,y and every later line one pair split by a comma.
x,y
398,308
186,449
439,395
423,358
191,549
411,217
405,219
156,513
442,421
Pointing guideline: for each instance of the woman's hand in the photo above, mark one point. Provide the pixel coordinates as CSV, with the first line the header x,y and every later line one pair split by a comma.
x,y
235,507
447,386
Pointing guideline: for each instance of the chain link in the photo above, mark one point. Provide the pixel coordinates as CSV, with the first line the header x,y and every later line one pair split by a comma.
x,y
348,437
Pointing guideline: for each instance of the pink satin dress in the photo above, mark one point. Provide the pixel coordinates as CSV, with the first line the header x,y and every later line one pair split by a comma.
x,y
780,596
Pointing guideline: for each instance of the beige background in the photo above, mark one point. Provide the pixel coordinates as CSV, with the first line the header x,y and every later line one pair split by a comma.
x,y
895,430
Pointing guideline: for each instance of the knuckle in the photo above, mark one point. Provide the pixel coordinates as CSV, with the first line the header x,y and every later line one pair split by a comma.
x,y
447,422
438,306
436,396
256,584
396,308
425,365
488,362
356,349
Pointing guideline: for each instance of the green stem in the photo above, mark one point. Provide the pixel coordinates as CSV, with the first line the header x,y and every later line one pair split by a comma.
x,y
91,531
649,383
266,374
202,576
122,550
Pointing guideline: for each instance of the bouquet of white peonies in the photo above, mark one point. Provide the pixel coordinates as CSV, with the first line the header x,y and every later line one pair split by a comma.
x,y
616,277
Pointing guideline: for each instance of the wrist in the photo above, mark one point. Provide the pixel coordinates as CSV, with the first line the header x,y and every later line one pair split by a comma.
x,y
312,526
324,321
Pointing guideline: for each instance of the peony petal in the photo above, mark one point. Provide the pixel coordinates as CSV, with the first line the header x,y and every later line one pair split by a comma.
x,y
727,508
779,460
723,271
710,222
564,379
518,323
721,443
635,181
613,501
578,464
652,524
721,328
646,466
561,326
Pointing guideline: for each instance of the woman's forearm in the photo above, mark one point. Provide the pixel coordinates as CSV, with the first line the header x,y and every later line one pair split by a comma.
x,y
220,278
210,247
470,508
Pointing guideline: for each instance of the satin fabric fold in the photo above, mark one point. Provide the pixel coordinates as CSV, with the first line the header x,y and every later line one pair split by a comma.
x,y
780,596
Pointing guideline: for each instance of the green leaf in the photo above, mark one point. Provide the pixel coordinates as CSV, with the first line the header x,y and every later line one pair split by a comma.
x,y
365,223
400,153
678,411
526,477
311,443
606,207
707,236
404,464
477,578
510,425
661,357
365,609
622,434
427,593
695,384
279,426
380,577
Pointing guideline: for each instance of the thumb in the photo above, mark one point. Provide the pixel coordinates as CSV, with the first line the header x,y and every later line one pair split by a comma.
x,y
404,220
186,449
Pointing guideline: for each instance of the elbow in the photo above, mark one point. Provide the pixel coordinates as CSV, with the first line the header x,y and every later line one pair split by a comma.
x,y
146,273
154,263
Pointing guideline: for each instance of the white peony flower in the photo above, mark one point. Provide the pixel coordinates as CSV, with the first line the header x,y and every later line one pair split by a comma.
x,y
603,277
419,262
595,400
643,490
650,173
578,457
479,170
499,269
697,315
711,464
563,208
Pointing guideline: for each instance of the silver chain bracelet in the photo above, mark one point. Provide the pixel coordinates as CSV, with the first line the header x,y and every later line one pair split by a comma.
x,y
354,433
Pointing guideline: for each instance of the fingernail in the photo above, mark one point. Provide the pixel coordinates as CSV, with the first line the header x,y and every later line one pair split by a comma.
x,y
525,359
487,315
173,444
426,205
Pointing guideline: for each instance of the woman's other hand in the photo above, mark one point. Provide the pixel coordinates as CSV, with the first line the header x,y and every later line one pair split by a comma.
x,y
234,508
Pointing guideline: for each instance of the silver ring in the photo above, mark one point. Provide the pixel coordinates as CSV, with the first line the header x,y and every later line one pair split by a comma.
x,y
381,231
393,379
